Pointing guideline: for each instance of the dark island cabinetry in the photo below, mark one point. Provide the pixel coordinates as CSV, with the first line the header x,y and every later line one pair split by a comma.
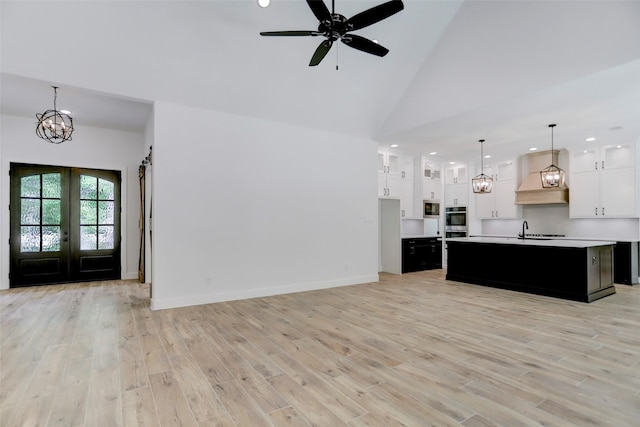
x,y
625,266
579,271
422,253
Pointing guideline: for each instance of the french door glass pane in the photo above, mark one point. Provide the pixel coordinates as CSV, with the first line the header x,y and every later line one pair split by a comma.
x,y
88,237
97,213
105,237
30,186
51,212
50,238
106,190
30,239
105,212
51,187
88,212
88,187
30,211
40,212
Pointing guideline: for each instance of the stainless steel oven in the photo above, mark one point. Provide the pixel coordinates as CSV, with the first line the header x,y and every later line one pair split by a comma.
x,y
455,221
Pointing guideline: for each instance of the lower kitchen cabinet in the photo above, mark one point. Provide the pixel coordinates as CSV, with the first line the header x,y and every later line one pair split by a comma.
x,y
625,263
420,254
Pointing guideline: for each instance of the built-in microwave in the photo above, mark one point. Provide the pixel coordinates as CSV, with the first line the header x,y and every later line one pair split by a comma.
x,y
431,209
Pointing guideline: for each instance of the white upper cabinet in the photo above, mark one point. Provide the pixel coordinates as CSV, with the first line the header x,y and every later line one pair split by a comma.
x,y
501,202
389,175
406,196
456,189
603,182
455,174
431,180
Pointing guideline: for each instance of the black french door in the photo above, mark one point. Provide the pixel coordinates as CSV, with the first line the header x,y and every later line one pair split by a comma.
x,y
65,225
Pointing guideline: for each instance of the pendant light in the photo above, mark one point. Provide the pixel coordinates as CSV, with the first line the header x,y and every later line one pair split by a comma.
x,y
482,183
53,125
552,176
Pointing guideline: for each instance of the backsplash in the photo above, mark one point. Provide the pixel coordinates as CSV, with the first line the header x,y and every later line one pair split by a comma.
x,y
554,219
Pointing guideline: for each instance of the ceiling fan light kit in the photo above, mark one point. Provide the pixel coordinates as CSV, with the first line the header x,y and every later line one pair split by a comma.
x,y
334,26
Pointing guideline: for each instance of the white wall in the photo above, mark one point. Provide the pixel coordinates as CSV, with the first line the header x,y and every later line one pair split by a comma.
x,y
94,148
245,208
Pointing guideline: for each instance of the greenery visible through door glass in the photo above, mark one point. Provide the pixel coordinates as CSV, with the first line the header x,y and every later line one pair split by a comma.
x,y
106,190
30,186
51,212
88,187
97,207
88,212
40,205
51,188
30,212
105,212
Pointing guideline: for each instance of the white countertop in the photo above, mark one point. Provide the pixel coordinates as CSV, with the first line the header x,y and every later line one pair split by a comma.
x,y
558,243
592,239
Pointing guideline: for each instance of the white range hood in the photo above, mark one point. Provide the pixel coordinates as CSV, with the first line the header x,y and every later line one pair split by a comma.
x,y
531,191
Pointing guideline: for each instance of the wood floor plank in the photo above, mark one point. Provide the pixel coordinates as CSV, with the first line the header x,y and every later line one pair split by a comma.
x,y
171,404
139,408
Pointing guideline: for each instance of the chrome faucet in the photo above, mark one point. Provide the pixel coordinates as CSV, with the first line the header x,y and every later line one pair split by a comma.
x,y
524,224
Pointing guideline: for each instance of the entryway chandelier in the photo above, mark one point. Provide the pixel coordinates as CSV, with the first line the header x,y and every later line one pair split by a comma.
x,y
53,125
552,176
482,183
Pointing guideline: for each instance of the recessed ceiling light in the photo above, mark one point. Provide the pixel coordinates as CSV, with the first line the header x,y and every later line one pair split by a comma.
x,y
533,149
590,139
394,145
433,153
65,111
264,3
452,163
488,156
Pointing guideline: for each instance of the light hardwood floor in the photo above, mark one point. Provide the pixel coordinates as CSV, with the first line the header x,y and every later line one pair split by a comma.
x,y
411,350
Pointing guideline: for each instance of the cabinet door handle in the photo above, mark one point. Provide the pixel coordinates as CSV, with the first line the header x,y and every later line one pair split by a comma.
x,y
402,174
596,165
496,214
603,164
596,211
403,212
603,211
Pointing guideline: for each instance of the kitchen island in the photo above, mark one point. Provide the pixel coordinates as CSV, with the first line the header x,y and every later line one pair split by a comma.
x,y
578,270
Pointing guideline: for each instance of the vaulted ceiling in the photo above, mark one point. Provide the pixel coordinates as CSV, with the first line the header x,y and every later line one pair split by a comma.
x,y
457,71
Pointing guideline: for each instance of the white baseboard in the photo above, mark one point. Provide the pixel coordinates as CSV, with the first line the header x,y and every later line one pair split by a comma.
x,y
129,276
160,304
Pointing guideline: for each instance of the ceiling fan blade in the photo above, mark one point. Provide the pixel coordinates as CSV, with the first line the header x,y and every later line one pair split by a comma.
x,y
373,15
320,52
365,45
290,33
320,10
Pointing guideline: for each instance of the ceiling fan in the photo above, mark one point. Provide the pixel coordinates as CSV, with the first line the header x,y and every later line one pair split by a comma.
x,y
334,27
